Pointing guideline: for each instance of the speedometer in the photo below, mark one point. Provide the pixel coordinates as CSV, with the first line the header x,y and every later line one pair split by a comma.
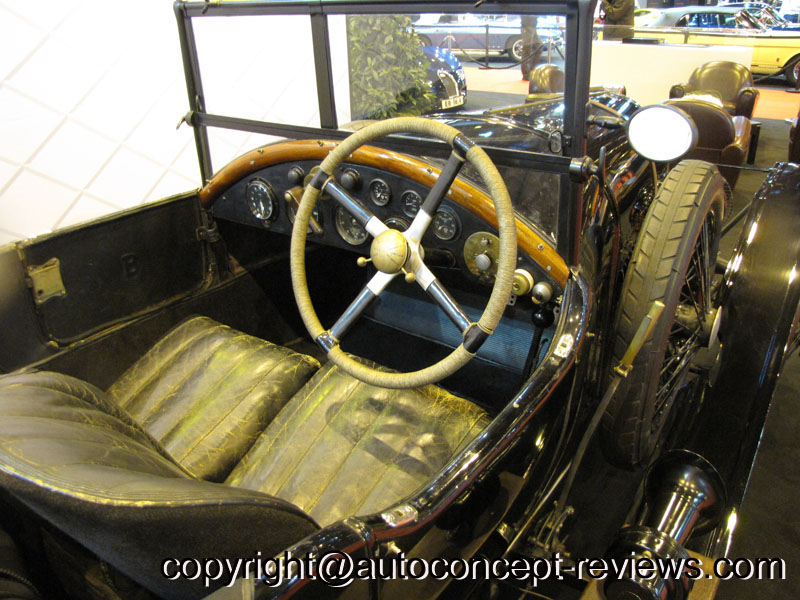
x,y
380,192
446,225
349,228
261,200
410,201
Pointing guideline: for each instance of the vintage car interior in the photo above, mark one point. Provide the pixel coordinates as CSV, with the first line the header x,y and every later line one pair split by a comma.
x,y
731,82
209,404
399,336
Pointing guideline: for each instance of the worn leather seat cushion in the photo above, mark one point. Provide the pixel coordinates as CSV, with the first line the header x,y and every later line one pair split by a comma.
x,y
87,468
205,392
343,447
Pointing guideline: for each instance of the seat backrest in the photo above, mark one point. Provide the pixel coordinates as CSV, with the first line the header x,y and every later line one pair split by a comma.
x,y
724,77
81,464
714,127
546,79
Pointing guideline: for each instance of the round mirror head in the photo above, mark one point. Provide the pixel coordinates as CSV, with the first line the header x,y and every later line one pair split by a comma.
x,y
661,133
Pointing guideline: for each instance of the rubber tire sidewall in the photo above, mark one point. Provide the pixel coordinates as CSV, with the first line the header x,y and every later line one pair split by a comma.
x,y
789,71
656,272
510,47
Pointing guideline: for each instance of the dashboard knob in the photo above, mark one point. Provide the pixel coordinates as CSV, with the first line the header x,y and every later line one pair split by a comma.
x,y
523,282
483,261
351,180
296,175
542,292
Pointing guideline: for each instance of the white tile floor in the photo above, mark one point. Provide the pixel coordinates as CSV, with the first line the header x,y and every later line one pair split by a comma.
x,y
90,94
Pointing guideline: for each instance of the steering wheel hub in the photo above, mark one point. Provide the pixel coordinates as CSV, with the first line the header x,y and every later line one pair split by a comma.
x,y
389,251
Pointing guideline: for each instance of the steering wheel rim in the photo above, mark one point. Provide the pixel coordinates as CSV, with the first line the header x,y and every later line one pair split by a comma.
x,y
476,332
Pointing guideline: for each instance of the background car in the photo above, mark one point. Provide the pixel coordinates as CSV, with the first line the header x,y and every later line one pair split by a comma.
x,y
497,34
774,51
766,14
645,16
446,77
706,16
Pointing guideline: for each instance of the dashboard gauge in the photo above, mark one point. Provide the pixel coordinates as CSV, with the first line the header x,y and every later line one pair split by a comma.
x,y
291,211
411,201
349,228
261,200
380,192
398,223
446,225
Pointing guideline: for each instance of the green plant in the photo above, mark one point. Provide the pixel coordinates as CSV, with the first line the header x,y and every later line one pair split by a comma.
x,y
388,69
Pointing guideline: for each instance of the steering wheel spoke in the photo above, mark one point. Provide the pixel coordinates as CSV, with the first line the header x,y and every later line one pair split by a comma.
x,y
362,214
435,197
433,287
370,291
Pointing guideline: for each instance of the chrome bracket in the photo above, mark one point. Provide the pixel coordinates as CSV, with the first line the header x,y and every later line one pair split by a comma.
x,y
400,515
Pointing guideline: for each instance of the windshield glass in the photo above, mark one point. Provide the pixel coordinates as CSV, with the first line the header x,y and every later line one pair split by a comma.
x,y
459,68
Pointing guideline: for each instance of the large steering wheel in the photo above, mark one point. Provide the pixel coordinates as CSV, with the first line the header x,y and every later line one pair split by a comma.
x,y
393,252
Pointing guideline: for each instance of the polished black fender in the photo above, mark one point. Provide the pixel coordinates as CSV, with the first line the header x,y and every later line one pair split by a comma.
x,y
759,300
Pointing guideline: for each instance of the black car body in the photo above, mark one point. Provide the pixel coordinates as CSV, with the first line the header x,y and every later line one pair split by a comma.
x,y
532,482
446,77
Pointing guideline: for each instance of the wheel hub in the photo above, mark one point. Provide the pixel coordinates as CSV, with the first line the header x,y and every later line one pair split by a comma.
x,y
389,251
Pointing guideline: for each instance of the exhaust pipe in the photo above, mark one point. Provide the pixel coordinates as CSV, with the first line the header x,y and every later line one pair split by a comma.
x,y
684,495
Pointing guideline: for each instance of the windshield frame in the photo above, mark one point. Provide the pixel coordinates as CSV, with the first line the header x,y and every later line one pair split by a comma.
x,y
578,37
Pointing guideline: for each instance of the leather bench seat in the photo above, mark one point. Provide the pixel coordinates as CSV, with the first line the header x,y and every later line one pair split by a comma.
x,y
343,447
206,391
131,492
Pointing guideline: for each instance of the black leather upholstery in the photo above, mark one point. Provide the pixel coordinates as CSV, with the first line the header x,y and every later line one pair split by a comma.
x,y
206,391
342,447
337,448
731,82
84,466
722,139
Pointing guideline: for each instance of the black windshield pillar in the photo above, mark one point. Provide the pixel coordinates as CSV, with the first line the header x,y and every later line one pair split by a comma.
x,y
322,65
577,66
194,88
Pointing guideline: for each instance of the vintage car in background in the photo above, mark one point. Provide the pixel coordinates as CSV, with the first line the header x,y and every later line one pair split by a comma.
x,y
483,336
709,17
445,77
774,51
496,34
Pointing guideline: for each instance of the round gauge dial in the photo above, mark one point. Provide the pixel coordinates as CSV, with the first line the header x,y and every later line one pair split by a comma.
x,y
380,192
349,228
410,201
291,211
446,225
261,200
398,223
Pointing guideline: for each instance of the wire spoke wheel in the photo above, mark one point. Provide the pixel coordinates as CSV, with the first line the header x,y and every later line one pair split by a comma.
x,y
673,261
